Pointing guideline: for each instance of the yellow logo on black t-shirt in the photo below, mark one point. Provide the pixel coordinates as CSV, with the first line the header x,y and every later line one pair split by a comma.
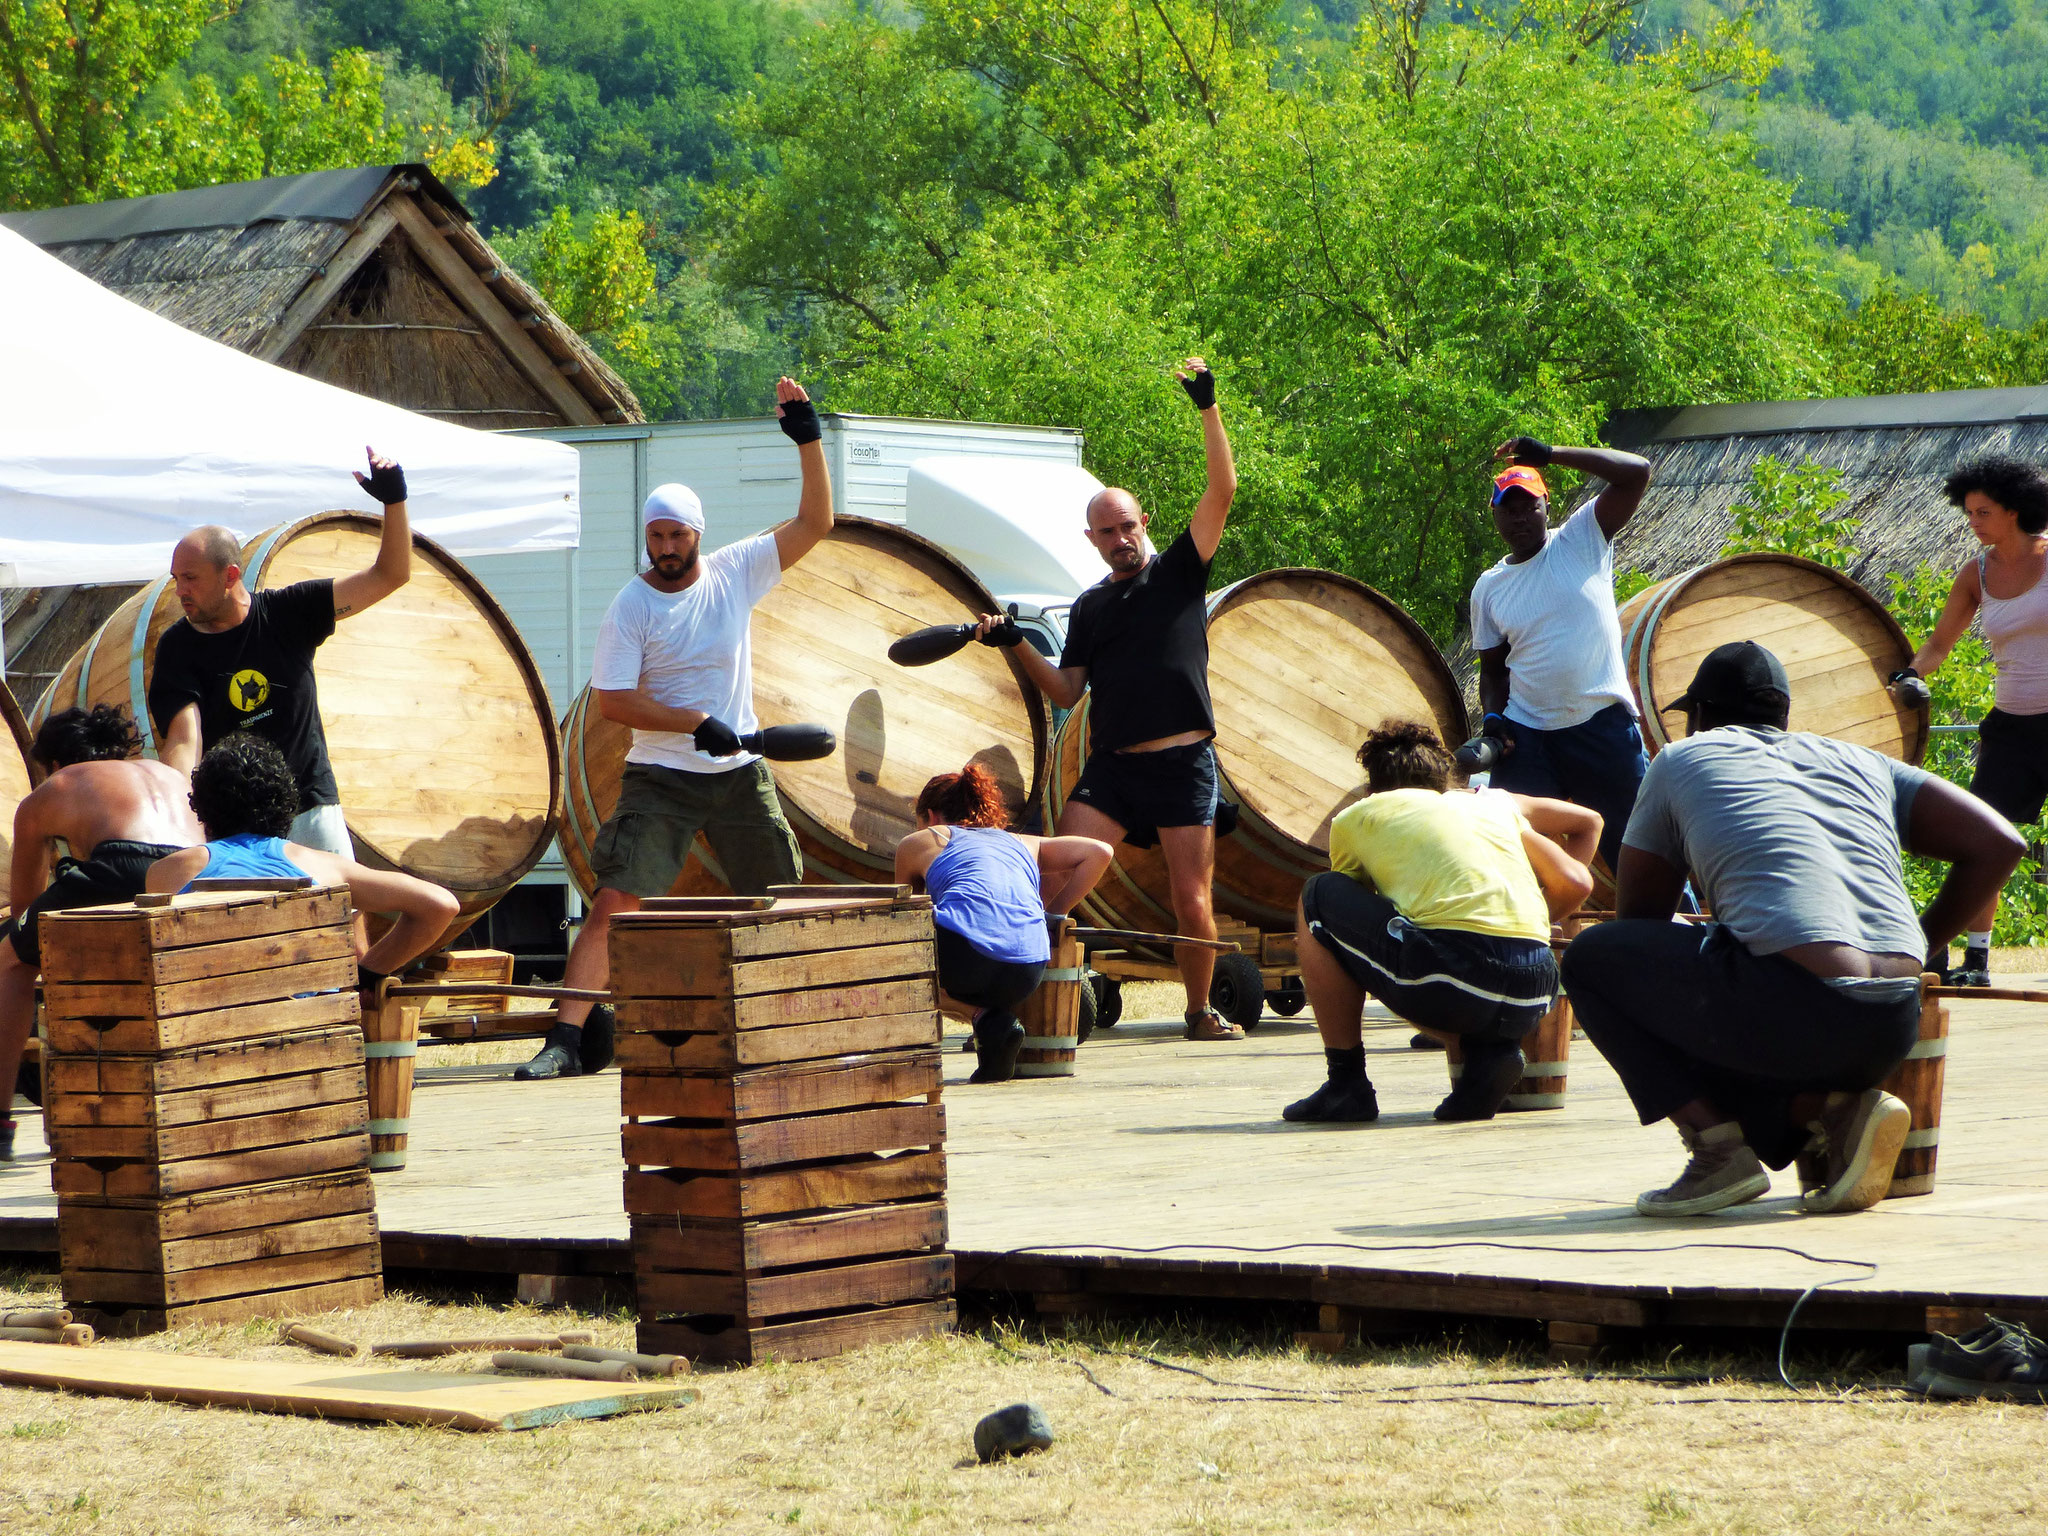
x,y
248,689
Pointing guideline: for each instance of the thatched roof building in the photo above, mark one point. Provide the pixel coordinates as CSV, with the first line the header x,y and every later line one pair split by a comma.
x,y
372,279
1893,452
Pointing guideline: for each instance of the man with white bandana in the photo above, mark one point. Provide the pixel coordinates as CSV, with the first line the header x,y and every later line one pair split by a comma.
x,y
674,662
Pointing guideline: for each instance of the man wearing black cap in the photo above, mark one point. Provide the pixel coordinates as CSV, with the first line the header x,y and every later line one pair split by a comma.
x,y
1765,1034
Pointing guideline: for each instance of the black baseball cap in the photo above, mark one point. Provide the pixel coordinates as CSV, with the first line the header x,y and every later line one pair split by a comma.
x,y
1732,676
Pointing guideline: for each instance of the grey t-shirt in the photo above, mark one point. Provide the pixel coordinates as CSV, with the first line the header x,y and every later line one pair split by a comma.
x,y
1791,838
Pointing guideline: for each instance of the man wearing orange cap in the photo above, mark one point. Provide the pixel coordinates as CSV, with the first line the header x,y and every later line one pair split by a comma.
x,y
1551,677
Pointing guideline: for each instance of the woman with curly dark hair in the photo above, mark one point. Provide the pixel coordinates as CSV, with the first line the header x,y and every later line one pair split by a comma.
x,y
2006,501
246,797
1439,904
992,891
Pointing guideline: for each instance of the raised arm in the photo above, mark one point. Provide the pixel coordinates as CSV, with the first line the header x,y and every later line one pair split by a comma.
x,y
1979,846
1627,475
798,419
393,568
1213,510
1571,827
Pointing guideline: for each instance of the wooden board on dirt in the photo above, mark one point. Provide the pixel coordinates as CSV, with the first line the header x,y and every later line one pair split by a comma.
x,y
329,1389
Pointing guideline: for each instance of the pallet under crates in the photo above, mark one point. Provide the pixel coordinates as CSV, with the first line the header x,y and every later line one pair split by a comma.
x,y
207,1110
784,1137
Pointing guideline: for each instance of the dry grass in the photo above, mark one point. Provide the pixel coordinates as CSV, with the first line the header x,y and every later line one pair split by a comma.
x,y
880,1442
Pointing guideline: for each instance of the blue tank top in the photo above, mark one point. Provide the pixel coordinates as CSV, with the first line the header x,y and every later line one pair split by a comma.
x,y
248,857
984,886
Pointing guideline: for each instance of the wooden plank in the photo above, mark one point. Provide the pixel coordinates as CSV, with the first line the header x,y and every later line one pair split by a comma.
x,y
329,1389
113,943
792,933
171,1145
756,1298
241,1246
768,1143
797,1089
192,1106
119,1179
316,1050
672,1243
641,967
281,1271
475,295
135,1036
319,293
95,1233
812,1339
137,1000
860,1181
778,1010
834,1038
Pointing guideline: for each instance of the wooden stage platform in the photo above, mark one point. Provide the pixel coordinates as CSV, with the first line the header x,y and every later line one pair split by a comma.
x,y
1164,1171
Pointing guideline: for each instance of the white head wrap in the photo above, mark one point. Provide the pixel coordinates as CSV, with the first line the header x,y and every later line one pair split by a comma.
x,y
678,503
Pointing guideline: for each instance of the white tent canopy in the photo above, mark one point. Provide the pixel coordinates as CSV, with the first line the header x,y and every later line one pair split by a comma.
x,y
120,430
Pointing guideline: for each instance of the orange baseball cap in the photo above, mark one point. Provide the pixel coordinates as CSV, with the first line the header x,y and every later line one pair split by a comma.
x,y
1518,477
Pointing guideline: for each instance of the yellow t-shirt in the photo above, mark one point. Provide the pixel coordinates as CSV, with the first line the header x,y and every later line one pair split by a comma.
x,y
1444,860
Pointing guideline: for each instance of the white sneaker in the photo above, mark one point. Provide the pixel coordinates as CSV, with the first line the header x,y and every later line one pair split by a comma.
x,y
1723,1172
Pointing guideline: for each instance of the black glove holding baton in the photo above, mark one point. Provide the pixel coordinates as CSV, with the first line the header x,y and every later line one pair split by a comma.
x,y
1484,751
1909,688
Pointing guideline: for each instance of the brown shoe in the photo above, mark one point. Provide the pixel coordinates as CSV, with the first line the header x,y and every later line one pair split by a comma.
x,y
1208,1024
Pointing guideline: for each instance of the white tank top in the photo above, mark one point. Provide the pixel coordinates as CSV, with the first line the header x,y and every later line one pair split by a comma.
x,y
2017,629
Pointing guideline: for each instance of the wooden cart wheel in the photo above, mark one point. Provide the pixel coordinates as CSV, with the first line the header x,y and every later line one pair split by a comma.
x,y
1109,1000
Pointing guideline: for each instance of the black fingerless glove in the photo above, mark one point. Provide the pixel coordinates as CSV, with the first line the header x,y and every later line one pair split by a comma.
x,y
1494,725
1530,450
1004,635
385,484
715,738
799,422
1910,687
1201,388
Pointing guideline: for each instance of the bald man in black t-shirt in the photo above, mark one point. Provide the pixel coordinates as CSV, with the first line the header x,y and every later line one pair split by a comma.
x,y
1139,642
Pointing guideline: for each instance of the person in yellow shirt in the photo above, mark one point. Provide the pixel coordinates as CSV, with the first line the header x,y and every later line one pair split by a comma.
x,y
1439,904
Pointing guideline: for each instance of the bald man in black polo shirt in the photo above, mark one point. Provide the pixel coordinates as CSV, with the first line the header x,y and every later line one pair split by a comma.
x,y
1139,641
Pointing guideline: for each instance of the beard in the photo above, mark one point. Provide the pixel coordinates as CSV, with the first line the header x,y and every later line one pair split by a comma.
x,y
674,567
1127,560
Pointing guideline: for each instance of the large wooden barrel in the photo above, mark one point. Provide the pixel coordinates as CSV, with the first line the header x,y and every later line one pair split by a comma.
x,y
1918,1082
17,775
820,644
437,722
1051,1015
1302,665
1837,643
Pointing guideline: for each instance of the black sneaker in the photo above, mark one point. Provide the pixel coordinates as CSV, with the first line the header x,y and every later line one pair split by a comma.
x,y
1975,971
1424,1043
600,1032
1999,1360
1482,1087
557,1058
6,1141
998,1037
1352,1099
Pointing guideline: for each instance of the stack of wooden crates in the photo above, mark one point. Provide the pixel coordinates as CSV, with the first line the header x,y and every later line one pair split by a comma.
x,y
207,1110
784,1140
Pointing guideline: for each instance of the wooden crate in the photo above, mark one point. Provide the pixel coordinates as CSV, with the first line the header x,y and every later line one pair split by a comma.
x,y
207,1110
784,1135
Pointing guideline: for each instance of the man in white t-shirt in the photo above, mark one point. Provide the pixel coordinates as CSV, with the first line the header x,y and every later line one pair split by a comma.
x,y
1551,677
674,662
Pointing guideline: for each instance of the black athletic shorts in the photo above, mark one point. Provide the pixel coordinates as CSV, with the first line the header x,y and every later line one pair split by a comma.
x,y
2012,765
117,871
1440,978
978,978
1144,791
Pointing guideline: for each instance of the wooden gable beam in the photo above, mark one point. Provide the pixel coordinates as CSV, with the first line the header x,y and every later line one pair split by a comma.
x,y
475,295
315,298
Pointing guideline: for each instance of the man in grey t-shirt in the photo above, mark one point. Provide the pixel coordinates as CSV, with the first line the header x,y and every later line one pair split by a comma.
x,y
1765,1034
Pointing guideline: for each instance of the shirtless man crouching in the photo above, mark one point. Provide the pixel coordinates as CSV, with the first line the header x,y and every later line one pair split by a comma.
x,y
117,813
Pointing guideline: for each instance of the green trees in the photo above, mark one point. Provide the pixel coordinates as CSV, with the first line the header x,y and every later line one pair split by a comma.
x,y
1395,256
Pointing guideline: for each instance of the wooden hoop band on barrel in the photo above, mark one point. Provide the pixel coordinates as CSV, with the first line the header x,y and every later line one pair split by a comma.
x,y
1837,642
391,1043
1302,665
1051,1015
820,652
437,722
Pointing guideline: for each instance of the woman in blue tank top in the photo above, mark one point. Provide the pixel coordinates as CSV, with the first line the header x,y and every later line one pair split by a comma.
x,y
992,891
